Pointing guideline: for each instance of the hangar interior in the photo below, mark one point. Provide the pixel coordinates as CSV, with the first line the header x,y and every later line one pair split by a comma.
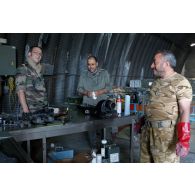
x,y
126,56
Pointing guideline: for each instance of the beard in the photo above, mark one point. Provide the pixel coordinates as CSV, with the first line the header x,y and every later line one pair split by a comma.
x,y
158,74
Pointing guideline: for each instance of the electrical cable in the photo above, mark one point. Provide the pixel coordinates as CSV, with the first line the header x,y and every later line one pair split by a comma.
x,y
12,96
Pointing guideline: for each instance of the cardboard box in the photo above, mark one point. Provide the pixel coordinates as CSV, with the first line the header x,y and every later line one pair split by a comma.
x,y
83,157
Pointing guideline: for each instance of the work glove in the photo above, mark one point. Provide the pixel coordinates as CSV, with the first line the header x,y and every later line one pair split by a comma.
x,y
183,144
26,116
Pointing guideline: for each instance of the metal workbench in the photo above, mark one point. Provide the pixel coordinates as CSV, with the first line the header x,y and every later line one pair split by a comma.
x,y
83,125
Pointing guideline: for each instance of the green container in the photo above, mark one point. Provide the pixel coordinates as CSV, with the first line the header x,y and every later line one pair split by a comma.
x,y
7,60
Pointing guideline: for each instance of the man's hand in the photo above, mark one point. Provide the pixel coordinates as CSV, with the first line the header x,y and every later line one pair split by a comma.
x,y
91,94
139,124
181,150
183,145
26,116
88,93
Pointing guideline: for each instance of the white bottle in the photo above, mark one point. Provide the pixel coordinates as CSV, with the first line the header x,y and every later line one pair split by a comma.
x,y
127,105
118,105
98,158
52,147
103,149
93,156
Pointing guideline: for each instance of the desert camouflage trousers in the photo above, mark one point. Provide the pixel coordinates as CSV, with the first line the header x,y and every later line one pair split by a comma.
x,y
158,145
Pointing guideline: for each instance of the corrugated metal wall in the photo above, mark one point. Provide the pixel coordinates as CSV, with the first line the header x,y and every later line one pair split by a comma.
x,y
126,56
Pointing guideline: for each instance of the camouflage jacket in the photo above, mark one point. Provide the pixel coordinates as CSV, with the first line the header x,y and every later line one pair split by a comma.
x,y
93,82
32,83
164,97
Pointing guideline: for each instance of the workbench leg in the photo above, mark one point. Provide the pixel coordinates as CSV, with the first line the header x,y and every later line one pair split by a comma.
x,y
131,142
104,133
28,147
44,150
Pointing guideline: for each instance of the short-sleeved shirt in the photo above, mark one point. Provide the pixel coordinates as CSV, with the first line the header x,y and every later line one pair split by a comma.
x,y
93,82
32,83
165,95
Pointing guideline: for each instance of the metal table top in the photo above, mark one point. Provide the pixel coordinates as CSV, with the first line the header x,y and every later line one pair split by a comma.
x,y
69,128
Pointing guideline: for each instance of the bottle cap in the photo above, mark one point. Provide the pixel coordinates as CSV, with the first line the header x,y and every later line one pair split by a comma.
x,y
104,141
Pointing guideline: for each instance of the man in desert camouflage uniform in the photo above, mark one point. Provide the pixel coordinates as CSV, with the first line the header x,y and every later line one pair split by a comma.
x,y
30,85
166,133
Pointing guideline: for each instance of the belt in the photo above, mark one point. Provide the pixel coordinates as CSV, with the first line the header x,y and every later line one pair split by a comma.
x,y
161,124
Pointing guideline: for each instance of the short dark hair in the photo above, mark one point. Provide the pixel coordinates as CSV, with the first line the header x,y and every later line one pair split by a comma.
x,y
169,56
32,47
92,57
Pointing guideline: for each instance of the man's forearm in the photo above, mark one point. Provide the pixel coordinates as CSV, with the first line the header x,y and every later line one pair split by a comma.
x,y
22,99
184,116
184,109
183,128
97,93
84,93
101,91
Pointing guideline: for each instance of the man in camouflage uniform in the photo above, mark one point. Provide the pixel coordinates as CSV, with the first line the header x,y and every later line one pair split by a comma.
x,y
166,133
30,85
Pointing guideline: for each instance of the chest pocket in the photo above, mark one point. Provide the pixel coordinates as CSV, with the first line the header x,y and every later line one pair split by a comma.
x,y
34,82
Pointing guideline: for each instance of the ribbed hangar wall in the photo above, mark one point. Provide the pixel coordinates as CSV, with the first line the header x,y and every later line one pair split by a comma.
x,y
126,56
